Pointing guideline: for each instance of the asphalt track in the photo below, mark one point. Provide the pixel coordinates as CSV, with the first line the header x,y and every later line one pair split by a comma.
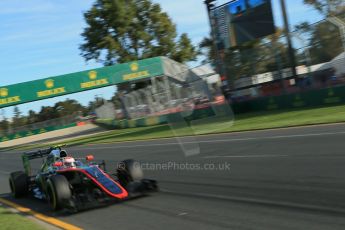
x,y
278,179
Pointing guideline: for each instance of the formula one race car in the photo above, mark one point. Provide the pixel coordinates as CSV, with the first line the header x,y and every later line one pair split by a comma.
x,y
77,184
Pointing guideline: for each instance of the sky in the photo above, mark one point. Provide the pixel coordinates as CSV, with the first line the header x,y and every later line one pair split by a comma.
x,y
41,38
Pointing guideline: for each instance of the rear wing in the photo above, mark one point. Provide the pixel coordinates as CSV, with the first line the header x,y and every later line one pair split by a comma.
x,y
27,156
37,154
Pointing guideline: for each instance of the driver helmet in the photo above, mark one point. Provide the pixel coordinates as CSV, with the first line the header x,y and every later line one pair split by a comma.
x,y
55,153
69,162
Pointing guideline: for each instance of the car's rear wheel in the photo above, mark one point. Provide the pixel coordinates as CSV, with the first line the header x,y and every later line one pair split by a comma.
x,y
129,171
58,191
19,184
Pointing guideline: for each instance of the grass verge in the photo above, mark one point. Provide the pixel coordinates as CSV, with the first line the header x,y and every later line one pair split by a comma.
x,y
242,122
13,221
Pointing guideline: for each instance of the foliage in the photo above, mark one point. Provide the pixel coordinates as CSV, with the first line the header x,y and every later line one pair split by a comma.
x,y
117,101
325,43
125,30
4,125
32,117
47,113
259,56
68,107
59,110
324,40
326,7
18,120
206,48
270,54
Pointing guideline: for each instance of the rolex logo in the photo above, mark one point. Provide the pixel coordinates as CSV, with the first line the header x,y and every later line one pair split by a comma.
x,y
3,92
134,66
92,75
49,83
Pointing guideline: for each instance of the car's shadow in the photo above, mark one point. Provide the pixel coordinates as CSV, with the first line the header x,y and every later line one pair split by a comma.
x,y
28,202
41,206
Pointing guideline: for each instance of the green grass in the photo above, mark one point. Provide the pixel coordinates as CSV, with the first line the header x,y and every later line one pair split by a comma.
x,y
13,221
242,122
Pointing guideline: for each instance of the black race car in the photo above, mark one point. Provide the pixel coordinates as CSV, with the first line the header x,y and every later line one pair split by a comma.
x,y
75,184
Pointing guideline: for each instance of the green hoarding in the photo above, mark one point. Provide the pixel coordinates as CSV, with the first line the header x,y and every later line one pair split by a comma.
x,y
312,98
322,97
34,132
76,82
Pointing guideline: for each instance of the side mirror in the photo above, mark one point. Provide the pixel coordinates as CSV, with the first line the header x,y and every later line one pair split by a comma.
x,y
89,158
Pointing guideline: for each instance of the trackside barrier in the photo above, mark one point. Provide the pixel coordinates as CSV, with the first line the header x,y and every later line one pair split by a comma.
x,y
322,97
35,132
152,120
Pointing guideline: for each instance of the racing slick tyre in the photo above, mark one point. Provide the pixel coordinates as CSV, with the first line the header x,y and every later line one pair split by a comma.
x,y
58,191
129,171
19,184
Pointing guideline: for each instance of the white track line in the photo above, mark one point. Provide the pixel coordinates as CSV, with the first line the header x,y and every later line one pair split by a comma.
x,y
4,172
247,156
257,201
213,141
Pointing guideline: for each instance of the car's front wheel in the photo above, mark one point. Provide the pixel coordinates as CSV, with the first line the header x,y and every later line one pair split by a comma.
x,y
129,171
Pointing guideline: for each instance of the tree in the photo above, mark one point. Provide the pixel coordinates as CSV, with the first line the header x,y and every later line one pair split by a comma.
x,y
16,112
258,56
68,107
98,102
206,48
125,30
327,6
32,117
47,113
325,43
18,120
116,100
324,40
4,126
185,51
